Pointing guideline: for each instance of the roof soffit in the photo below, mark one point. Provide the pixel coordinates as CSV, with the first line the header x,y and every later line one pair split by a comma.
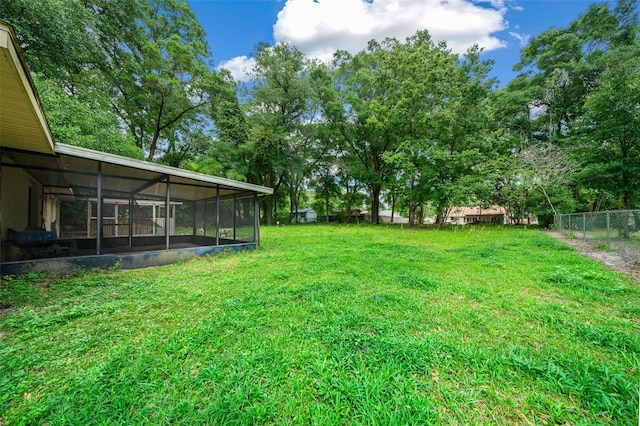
x,y
23,124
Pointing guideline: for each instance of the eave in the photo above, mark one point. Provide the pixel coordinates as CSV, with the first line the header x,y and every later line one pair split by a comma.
x,y
23,124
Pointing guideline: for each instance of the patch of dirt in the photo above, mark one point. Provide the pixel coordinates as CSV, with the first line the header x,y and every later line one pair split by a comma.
x,y
6,308
622,257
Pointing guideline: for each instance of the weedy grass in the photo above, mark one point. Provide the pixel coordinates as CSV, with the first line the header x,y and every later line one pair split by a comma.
x,y
330,325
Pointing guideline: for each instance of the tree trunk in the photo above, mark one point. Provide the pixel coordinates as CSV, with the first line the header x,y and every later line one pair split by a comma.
x,y
293,206
375,202
412,203
348,203
326,209
393,207
420,214
267,217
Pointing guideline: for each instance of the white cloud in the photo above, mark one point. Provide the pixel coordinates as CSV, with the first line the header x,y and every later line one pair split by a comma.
x,y
239,67
320,28
523,39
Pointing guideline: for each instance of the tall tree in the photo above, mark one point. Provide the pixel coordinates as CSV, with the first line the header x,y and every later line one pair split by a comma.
x,y
280,110
226,153
611,153
462,138
363,83
581,79
424,72
157,70
144,61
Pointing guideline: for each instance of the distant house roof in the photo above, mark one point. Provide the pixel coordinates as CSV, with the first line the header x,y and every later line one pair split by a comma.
x,y
305,210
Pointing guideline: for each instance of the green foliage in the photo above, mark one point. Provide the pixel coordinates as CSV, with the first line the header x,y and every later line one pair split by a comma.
x,y
330,325
281,118
582,80
407,121
139,66
612,156
158,74
53,36
84,122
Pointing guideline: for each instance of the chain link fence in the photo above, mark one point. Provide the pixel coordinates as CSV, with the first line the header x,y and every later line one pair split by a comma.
x,y
610,228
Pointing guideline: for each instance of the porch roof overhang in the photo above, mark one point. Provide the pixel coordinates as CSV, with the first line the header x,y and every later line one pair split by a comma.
x,y
133,176
73,167
23,123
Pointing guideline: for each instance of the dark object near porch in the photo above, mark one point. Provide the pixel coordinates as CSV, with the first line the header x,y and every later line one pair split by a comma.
x,y
36,243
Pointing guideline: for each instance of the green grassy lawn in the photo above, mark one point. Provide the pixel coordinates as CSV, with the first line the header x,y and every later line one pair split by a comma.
x,y
331,325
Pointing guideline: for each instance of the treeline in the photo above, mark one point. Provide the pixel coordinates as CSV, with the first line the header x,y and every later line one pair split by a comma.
x,y
407,123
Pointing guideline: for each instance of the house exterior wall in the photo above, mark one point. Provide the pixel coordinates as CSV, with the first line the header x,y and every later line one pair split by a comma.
x,y
385,217
15,199
306,216
471,215
15,212
396,219
312,216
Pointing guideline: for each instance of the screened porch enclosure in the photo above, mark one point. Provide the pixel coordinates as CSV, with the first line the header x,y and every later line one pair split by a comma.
x,y
100,204
142,223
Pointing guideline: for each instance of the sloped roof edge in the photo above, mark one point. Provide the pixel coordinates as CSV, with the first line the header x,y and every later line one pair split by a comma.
x,y
18,88
119,160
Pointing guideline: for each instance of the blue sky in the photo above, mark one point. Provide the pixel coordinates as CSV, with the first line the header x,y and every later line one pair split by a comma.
x,y
320,27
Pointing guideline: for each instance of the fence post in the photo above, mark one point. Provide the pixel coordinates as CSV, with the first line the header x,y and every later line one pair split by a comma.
x,y
584,227
609,229
570,230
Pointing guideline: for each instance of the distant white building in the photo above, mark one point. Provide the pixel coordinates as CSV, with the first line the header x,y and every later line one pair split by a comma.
x,y
305,216
384,216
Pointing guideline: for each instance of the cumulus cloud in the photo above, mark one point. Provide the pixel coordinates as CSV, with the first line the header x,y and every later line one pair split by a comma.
x,y
320,27
239,67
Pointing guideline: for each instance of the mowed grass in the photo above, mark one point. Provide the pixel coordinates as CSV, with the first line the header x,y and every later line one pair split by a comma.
x,y
331,325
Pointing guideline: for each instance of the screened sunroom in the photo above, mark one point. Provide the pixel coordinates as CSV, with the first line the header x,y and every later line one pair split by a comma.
x,y
83,203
